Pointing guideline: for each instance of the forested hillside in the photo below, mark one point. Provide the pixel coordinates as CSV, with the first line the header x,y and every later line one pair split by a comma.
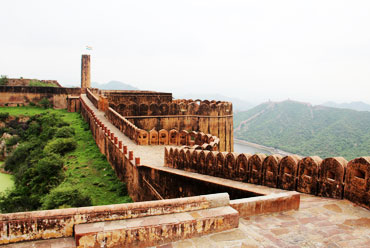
x,y
306,130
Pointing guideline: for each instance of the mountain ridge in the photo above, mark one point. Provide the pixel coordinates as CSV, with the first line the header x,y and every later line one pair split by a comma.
x,y
302,128
113,85
357,105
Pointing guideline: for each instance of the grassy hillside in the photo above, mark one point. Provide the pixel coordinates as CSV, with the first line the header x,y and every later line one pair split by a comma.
x,y
83,168
307,130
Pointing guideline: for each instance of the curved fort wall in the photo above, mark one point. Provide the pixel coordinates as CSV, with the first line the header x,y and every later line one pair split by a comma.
x,y
156,111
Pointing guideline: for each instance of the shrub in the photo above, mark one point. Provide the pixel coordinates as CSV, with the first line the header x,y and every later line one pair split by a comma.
x,y
4,116
45,103
65,132
18,200
3,80
12,141
61,146
64,197
47,174
19,156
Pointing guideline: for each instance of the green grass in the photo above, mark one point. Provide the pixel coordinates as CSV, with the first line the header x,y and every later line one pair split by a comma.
x,y
41,84
6,182
85,167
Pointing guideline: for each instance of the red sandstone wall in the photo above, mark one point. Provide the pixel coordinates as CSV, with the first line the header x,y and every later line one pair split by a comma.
x,y
23,95
158,111
330,177
146,183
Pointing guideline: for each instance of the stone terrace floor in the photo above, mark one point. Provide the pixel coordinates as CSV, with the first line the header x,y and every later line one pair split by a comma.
x,y
320,222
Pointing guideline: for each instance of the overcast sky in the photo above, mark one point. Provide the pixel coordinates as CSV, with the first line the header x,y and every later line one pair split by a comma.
x,y
310,50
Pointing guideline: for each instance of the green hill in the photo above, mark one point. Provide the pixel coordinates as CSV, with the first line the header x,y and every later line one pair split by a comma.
x,y
306,130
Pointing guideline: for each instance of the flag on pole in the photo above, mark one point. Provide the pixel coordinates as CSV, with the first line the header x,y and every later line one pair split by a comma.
x,y
88,47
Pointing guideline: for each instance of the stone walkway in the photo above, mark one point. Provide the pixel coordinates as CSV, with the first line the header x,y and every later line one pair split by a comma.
x,y
320,222
149,155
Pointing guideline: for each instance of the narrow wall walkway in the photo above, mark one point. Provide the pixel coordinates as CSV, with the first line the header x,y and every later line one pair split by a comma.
x,y
149,155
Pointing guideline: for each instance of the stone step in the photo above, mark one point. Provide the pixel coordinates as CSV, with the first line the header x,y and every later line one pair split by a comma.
x,y
156,230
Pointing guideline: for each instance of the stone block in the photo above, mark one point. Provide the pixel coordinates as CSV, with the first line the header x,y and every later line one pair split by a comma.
x,y
173,137
230,166
183,135
142,137
270,170
272,203
331,177
288,172
163,137
242,170
220,164
153,137
211,164
308,175
357,181
255,168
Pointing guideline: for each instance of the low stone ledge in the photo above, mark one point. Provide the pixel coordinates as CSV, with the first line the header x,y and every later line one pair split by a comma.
x,y
17,227
156,230
266,204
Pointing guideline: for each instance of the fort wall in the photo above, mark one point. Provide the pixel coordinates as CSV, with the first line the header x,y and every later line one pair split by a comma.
x,y
24,95
157,111
331,177
145,182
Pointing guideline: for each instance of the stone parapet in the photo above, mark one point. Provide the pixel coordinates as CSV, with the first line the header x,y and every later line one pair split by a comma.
x,y
331,177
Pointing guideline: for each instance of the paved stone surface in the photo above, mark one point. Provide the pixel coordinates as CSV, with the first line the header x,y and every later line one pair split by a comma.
x,y
320,222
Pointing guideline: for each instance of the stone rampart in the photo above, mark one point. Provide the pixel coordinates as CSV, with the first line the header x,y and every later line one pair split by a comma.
x,y
155,110
24,95
197,140
331,177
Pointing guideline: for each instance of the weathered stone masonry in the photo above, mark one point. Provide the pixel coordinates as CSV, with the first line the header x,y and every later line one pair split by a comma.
x,y
331,177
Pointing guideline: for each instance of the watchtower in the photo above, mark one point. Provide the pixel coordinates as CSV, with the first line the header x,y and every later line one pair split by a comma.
x,y
85,72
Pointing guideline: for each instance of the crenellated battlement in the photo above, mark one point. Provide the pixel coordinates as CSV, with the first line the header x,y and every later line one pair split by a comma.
x,y
331,177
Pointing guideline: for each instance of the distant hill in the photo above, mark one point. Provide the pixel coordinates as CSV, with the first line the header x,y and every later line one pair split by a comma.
x,y
113,85
305,129
238,104
359,106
